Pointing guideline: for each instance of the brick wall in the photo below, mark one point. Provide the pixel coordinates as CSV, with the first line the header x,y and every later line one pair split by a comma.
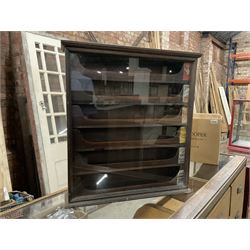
x,y
107,37
181,40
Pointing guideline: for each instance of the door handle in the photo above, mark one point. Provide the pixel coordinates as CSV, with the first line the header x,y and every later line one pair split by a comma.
x,y
239,190
43,106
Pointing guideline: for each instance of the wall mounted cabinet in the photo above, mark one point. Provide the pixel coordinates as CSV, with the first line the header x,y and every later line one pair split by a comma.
x,y
129,121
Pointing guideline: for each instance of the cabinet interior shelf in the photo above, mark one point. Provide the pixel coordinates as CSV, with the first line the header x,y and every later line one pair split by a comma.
x,y
129,147
154,78
93,169
131,125
184,104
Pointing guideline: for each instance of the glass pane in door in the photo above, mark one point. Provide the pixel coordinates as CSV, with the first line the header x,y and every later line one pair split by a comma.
x,y
50,60
57,102
61,125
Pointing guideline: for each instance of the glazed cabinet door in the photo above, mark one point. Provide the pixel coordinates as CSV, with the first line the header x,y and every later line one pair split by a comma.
x,y
128,116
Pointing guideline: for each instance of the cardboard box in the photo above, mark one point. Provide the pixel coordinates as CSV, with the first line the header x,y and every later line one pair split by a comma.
x,y
205,139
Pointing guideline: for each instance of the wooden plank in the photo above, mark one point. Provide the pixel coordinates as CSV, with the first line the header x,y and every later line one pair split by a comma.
x,y
173,204
221,210
198,92
154,39
217,100
153,211
237,196
203,201
212,97
5,180
225,105
248,92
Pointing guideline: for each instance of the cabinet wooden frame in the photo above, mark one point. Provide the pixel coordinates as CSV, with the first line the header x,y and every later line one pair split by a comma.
x,y
205,199
173,56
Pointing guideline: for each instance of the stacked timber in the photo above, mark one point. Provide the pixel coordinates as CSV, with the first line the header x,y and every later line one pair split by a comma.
x,y
201,105
216,102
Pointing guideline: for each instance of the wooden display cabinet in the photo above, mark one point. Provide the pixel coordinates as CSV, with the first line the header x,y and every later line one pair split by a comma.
x,y
129,121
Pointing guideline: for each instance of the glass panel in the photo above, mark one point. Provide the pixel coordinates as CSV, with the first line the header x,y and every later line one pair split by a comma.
x,y
50,125
37,45
46,103
39,60
93,138
241,124
120,115
50,60
42,82
61,125
54,83
62,61
64,82
52,140
57,103
129,116
61,139
60,50
48,47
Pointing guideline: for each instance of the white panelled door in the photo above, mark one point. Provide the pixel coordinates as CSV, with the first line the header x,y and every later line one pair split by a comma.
x,y
46,73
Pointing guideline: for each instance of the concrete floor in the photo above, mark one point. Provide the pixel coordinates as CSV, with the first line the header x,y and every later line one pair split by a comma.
x,y
121,210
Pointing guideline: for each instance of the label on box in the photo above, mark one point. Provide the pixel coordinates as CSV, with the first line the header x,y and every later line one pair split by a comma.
x,y
182,137
214,121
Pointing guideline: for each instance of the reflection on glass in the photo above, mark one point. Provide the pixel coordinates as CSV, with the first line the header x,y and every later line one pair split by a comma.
x,y
60,50
62,139
61,125
64,83
52,140
129,122
46,103
48,47
135,137
39,60
241,124
62,62
54,83
50,125
42,82
50,60
57,103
